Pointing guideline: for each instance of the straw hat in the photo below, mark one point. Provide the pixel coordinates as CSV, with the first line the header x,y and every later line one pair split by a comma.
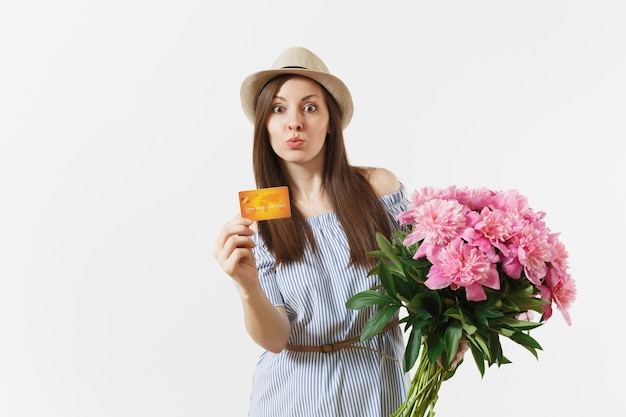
x,y
298,61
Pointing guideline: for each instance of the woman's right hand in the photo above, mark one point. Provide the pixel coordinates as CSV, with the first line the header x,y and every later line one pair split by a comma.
x,y
268,325
233,251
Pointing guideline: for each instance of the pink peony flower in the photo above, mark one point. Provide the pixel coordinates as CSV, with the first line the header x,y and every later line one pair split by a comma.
x,y
495,225
560,288
531,250
467,233
461,265
436,222
474,198
490,229
425,194
560,261
488,258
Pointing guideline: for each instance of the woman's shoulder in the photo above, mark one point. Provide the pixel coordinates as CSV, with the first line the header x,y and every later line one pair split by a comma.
x,y
382,180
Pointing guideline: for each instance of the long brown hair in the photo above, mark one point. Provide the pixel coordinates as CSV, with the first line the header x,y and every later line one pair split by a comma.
x,y
356,205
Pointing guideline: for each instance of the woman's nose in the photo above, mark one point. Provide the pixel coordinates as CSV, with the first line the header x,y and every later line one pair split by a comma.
x,y
295,122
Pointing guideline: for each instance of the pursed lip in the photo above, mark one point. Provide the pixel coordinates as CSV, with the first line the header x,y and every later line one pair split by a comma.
x,y
295,142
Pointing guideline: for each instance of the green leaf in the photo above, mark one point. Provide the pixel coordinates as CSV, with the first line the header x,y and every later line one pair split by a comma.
x,y
518,324
398,236
420,323
533,351
504,360
470,329
480,343
452,336
376,254
455,313
426,300
412,350
369,298
436,347
511,304
373,271
525,340
387,249
406,289
488,313
378,320
387,280
495,349
504,331
479,359
531,303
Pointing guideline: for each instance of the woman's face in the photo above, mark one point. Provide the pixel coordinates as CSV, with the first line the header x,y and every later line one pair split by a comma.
x,y
299,121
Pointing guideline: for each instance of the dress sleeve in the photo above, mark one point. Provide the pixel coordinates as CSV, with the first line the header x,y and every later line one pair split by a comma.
x,y
265,262
396,203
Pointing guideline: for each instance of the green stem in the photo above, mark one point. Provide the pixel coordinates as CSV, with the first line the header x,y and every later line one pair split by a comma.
x,y
422,394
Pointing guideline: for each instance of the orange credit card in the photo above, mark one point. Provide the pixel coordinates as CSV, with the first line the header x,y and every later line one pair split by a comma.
x,y
265,203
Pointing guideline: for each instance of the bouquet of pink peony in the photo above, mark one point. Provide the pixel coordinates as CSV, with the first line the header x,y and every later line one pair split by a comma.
x,y
472,266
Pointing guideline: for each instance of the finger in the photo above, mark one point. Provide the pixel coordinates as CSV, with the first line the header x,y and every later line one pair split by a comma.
x,y
232,243
237,227
238,258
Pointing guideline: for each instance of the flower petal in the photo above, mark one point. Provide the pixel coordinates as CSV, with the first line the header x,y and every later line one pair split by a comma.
x,y
475,292
436,278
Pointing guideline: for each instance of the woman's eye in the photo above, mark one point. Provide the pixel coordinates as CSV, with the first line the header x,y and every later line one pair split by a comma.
x,y
278,109
310,107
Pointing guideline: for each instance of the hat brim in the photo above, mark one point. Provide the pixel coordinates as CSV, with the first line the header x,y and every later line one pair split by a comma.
x,y
252,85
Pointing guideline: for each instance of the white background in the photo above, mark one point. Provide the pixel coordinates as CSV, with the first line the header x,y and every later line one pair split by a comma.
x,y
123,145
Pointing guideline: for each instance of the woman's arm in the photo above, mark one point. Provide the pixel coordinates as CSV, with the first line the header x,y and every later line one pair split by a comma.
x,y
266,324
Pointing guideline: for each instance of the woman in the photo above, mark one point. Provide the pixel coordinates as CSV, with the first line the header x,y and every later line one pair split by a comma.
x,y
295,274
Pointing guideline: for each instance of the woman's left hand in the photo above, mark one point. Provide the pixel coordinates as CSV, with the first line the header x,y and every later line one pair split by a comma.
x,y
458,357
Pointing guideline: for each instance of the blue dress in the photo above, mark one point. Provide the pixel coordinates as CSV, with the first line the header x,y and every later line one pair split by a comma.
x,y
345,383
